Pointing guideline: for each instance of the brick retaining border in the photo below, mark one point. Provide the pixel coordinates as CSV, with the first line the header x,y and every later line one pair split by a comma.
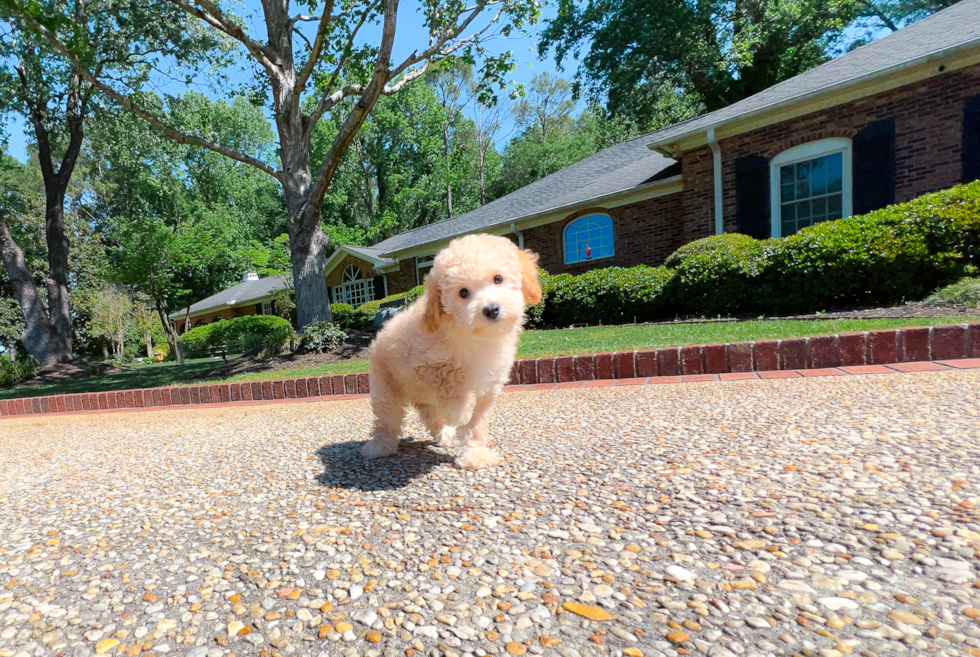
x,y
819,355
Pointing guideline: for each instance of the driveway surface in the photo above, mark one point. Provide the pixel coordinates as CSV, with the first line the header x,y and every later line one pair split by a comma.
x,y
823,516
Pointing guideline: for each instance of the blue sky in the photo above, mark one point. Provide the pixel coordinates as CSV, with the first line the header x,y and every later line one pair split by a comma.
x,y
410,35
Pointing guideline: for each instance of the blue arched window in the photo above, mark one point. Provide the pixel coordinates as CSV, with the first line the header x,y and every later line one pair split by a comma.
x,y
589,238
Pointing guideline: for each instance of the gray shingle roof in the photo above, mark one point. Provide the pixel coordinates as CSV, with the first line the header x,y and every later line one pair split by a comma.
x,y
240,294
615,169
370,252
945,32
623,167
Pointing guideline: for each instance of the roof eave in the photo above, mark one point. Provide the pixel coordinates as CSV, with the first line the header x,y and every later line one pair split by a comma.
x,y
635,194
668,148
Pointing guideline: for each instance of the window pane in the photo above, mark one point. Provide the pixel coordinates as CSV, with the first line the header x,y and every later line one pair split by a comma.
x,y
588,238
811,192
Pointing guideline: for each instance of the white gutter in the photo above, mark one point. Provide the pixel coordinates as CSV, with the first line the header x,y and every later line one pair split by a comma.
x,y
716,156
520,235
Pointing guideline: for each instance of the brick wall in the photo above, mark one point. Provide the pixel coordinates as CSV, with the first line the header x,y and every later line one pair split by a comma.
x,y
402,280
644,233
928,144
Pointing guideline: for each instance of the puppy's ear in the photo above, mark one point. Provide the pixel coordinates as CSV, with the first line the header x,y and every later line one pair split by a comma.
x,y
433,312
529,277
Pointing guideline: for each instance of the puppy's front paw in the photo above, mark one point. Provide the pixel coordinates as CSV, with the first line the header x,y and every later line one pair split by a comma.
x,y
378,447
446,437
476,458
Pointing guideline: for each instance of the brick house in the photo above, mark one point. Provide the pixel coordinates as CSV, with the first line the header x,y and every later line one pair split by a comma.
x,y
883,124
253,296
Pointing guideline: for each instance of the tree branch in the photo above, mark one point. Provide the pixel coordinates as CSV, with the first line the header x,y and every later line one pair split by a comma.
x,y
325,103
213,16
357,116
171,132
321,32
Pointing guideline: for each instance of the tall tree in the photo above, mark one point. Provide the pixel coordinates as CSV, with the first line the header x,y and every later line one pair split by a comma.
x,y
56,98
551,137
337,64
488,120
451,80
717,50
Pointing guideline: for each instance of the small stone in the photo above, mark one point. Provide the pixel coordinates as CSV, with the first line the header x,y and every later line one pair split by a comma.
x,y
971,612
632,652
681,573
588,611
676,637
373,636
105,645
549,641
343,627
892,555
835,604
235,627
899,616
515,649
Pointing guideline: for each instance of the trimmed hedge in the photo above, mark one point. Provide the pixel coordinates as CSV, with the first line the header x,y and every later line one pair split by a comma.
x,y
896,254
349,318
249,331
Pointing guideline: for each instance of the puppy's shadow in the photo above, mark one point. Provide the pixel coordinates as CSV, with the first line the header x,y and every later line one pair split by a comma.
x,y
344,467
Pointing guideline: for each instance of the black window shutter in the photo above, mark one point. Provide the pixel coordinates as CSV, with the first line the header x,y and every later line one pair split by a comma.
x,y
752,196
971,139
873,166
258,309
379,287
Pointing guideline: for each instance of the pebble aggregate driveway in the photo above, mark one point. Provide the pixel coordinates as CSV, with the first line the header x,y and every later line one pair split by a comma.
x,y
824,516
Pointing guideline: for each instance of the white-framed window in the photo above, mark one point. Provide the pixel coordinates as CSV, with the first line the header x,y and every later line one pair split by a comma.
x,y
354,288
266,307
810,183
589,238
422,267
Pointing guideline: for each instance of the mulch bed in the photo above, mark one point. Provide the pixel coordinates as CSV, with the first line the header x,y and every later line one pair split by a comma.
x,y
355,347
73,371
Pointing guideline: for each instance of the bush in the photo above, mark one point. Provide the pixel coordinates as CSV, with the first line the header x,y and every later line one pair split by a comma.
x,y
12,373
895,254
321,336
965,292
349,318
248,333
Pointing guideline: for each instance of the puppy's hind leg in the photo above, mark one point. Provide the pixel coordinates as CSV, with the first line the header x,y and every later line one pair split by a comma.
x,y
443,434
389,411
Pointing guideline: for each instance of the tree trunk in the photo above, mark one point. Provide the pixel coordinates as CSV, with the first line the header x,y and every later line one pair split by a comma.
x,y
149,344
12,351
308,247
39,336
170,334
59,310
449,180
105,352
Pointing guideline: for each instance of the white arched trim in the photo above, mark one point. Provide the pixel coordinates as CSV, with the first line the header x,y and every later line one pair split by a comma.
x,y
810,152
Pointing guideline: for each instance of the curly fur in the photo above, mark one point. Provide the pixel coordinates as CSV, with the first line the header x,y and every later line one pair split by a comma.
x,y
445,356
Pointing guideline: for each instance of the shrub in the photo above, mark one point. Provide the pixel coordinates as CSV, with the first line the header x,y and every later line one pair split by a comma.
x,y
238,334
321,336
349,318
965,292
12,373
895,254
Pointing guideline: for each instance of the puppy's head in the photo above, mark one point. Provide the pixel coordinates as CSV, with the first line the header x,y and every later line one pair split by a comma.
x,y
480,283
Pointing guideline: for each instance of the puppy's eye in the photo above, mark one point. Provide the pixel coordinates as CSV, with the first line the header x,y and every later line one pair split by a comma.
x,y
498,279
464,293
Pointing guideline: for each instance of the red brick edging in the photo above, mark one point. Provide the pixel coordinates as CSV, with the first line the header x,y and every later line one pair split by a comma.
x,y
708,362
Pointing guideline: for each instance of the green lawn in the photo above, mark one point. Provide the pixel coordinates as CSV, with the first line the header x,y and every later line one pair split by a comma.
x,y
145,376
534,344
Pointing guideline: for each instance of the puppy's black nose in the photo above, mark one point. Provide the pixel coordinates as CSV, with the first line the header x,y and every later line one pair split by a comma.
x,y
491,311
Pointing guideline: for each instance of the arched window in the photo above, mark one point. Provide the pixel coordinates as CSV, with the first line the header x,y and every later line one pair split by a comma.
x,y
351,274
810,183
589,238
354,288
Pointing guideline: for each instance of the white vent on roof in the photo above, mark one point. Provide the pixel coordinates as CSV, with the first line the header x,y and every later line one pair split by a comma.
x,y
250,276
